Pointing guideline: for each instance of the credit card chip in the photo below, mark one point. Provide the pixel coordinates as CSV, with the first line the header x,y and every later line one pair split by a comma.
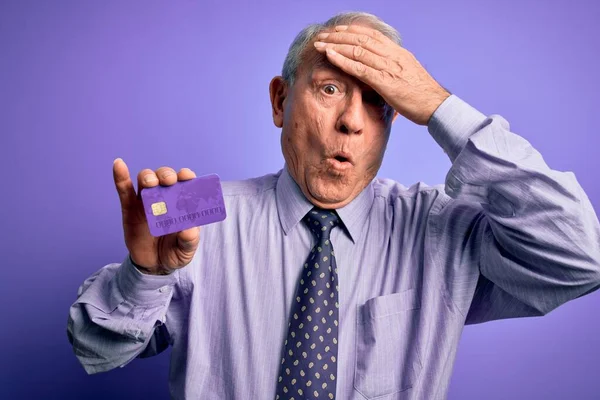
x,y
159,208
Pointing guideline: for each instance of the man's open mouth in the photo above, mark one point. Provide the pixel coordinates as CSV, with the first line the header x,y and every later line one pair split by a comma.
x,y
342,157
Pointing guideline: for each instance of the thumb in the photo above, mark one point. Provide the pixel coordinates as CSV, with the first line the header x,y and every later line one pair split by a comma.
x,y
188,239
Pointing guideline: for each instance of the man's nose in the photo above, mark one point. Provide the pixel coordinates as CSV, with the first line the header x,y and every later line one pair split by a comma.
x,y
352,118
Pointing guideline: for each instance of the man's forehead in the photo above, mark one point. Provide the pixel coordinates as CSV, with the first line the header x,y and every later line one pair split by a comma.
x,y
320,62
316,62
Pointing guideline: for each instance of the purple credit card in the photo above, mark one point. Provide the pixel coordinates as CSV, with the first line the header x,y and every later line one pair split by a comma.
x,y
186,204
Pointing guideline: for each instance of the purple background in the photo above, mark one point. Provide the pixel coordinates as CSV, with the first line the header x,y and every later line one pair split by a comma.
x,y
185,83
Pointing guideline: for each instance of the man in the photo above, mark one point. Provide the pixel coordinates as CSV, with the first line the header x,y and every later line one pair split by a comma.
x,y
324,281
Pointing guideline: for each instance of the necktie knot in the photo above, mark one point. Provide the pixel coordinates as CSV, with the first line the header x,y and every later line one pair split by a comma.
x,y
321,222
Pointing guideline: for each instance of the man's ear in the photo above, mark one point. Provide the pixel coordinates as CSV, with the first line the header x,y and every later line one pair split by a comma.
x,y
278,89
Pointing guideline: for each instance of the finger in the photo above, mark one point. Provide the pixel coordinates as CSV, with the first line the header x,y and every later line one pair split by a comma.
x,y
356,39
355,68
187,239
166,176
357,53
185,174
123,183
365,30
146,179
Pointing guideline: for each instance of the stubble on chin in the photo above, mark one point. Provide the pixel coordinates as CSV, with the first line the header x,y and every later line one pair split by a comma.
x,y
328,185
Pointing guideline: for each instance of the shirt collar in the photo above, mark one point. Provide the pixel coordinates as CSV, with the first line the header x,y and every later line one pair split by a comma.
x,y
292,206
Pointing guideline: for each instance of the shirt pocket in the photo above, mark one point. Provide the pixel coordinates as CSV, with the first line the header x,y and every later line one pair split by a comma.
x,y
388,358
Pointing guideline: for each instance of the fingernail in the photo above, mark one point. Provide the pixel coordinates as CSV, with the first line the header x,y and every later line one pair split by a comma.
x,y
341,27
322,35
150,178
319,45
167,174
117,159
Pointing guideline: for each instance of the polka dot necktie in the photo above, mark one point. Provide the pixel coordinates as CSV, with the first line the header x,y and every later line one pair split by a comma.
x,y
308,367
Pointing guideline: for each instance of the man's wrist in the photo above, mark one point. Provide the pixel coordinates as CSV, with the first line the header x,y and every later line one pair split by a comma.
x,y
140,288
435,102
148,271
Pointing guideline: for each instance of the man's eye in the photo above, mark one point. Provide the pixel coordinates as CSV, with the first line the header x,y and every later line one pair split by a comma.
x,y
330,89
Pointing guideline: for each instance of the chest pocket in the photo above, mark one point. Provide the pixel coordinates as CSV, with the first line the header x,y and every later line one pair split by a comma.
x,y
388,358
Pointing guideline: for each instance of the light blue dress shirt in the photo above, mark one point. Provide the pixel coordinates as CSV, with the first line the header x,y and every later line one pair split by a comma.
x,y
505,237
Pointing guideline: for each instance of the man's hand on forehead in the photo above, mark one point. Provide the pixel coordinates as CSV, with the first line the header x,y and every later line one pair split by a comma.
x,y
388,68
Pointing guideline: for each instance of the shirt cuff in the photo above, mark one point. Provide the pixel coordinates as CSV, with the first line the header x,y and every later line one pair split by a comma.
x,y
452,123
143,289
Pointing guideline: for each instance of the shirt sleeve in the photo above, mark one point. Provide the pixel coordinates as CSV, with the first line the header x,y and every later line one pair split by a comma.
x,y
512,237
119,315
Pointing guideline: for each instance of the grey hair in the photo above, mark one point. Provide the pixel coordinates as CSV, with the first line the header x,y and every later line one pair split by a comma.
x,y
296,51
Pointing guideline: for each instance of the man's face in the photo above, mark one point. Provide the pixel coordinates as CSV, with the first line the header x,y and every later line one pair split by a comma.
x,y
328,113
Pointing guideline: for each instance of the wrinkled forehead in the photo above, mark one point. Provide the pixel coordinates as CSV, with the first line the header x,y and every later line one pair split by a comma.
x,y
313,61
316,61
315,64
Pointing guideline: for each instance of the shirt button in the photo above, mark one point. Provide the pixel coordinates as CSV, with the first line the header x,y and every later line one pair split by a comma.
x,y
164,289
